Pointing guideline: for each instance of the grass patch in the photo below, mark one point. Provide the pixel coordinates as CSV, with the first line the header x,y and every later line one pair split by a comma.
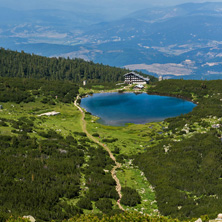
x,y
130,176
130,139
66,122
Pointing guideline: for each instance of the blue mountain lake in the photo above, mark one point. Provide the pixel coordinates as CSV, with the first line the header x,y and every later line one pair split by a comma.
x,y
117,109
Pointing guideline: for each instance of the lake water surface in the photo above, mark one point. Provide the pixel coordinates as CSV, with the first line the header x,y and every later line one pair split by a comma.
x,y
117,109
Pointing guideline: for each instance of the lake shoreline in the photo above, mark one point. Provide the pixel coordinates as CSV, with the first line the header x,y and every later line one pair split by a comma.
x,y
175,96
119,109
141,92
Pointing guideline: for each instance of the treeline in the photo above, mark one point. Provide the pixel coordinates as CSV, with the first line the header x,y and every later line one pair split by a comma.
x,y
16,64
187,175
27,90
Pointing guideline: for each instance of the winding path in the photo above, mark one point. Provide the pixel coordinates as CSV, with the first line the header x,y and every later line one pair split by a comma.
x,y
117,165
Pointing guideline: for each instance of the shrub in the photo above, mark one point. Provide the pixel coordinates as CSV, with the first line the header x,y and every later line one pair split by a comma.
x,y
130,197
85,203
105,205
116,150
44,100
110,140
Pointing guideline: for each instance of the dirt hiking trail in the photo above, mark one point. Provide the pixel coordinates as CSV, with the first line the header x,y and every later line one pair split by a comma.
x,y
117,165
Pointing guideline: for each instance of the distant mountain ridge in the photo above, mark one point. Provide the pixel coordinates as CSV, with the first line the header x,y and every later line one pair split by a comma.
x,y
163,36
159,14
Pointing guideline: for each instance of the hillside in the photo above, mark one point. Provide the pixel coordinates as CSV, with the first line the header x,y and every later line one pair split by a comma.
x,y
52,170
57,172
185,167
15,64
180,157
46,162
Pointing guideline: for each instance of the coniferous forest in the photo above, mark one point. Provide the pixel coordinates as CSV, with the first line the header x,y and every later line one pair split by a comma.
x,y
23,65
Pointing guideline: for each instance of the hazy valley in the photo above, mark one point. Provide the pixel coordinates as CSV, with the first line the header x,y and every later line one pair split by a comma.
x,y
159,41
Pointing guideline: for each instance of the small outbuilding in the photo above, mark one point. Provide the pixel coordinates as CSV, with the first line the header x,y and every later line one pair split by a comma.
x,y
139,87
160,78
